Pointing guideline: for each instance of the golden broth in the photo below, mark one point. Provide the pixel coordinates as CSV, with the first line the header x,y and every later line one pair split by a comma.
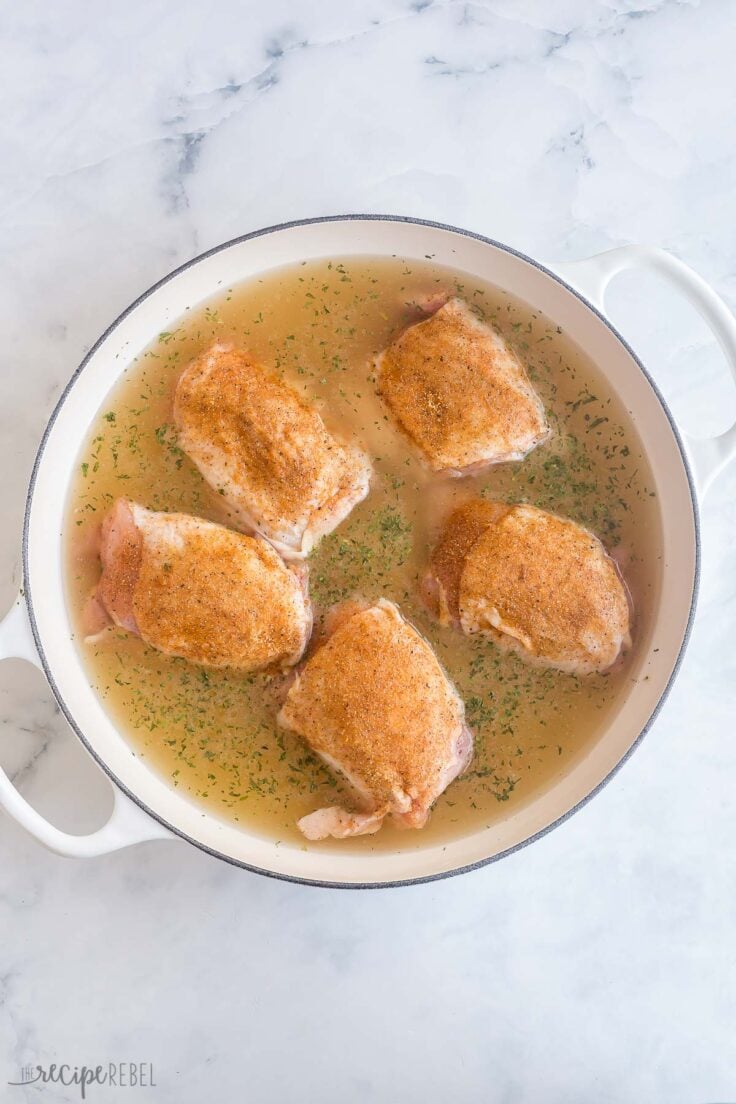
x,y
213,733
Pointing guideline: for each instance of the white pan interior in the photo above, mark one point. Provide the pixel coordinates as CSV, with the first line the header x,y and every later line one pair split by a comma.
x,y
157,311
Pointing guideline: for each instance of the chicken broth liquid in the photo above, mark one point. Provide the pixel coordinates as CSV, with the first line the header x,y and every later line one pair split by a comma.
x,y
213,734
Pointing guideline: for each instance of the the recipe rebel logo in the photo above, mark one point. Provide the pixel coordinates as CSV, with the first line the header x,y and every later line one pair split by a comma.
x,y
119,1075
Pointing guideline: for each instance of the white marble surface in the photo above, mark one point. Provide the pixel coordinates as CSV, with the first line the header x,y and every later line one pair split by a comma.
x,y
598,965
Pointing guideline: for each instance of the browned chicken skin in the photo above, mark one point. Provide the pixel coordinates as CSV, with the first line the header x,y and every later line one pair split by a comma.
x,y
194,589
374,703
460,393
266,450
536,583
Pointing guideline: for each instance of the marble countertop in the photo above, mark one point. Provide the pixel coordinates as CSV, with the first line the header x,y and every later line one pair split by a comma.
x,y
597,965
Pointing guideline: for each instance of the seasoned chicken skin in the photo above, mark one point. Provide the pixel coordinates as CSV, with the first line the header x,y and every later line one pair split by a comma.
x,y
536,583
194,589
266,450
374,703
459,393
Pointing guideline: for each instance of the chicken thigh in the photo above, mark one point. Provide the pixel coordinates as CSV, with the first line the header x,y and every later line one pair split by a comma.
x,y
266,450
374,703
459,393
536,583
194,589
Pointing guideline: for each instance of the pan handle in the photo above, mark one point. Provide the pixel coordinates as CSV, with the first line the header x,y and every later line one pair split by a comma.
x,y
128,823
708,455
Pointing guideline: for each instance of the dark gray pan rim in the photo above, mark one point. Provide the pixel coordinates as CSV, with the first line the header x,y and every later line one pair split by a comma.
x,y
404,881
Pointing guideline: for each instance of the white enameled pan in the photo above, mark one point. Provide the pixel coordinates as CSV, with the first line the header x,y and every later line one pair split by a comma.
x,y
38,627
